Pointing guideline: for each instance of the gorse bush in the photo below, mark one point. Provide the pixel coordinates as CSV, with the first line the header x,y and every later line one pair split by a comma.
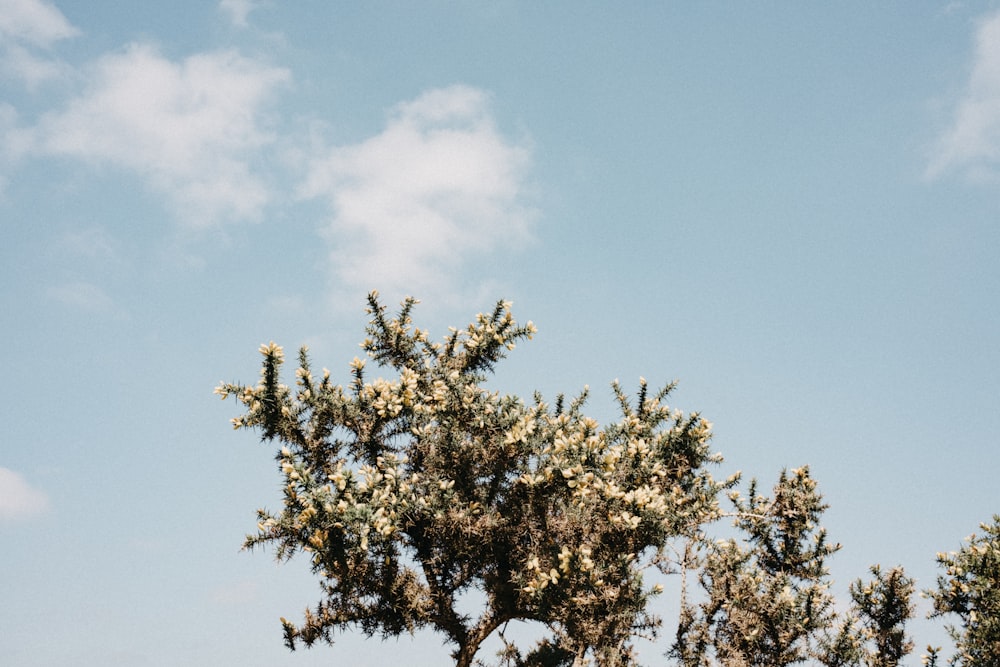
x,y
412,490
409,491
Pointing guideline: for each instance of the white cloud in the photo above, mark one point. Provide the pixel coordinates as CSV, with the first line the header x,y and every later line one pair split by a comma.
x,y
27,27
33,21
237,10
972,143
191,129
20,63
437,186
18,499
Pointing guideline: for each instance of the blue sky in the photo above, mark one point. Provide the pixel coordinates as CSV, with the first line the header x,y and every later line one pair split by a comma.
x,y
792,209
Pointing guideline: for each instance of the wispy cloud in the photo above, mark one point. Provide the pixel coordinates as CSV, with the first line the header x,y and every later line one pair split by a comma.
x,y
33,21
93,243
28,28
83,296
237,11
971,145
18,498
438,186
13,143
191,129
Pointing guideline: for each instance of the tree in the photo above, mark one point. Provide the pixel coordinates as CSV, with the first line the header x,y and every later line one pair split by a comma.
x,y
766,601
766,597
883,606
970,589
873,632
412,492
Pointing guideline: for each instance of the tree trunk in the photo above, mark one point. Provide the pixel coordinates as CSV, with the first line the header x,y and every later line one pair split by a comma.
x,y
467,649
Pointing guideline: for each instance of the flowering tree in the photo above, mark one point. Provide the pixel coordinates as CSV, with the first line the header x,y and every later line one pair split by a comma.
x,y
872,632
766,598
411,491
970,589
765,601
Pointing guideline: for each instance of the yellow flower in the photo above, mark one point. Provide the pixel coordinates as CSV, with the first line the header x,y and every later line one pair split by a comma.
x,y
564,558
272,349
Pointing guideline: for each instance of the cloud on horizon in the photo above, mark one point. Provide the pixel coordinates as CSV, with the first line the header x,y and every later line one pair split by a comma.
x,y
437,187
18,499
971,145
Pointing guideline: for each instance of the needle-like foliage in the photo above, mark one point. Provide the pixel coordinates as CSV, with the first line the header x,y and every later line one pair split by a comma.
x,y
411,490
970,590
766,599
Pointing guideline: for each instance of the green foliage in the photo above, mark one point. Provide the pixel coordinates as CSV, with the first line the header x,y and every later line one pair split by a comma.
x,y
408,492
872,633
767,599
970,589
883,606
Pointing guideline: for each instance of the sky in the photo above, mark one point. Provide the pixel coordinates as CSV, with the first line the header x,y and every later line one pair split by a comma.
x,y
792,209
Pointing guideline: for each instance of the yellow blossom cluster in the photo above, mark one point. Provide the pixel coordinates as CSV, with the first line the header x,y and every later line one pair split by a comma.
x,y
273,350
384,397
390,397
485,330
568,562
592,466
521,429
